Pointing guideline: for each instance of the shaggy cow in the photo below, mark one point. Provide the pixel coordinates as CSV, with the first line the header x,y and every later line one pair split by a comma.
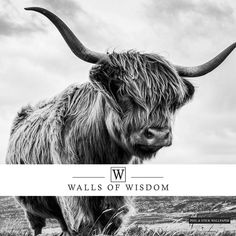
x,y
124,111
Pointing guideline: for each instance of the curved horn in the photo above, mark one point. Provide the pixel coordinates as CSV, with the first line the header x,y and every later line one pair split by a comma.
x,y
206,67
75,45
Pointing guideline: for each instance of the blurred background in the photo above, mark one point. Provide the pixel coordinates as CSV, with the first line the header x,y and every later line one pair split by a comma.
x,y
35,63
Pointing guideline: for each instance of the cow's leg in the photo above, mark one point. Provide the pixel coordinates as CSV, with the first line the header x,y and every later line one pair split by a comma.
x,y
36,222
89,215
106,215
77,214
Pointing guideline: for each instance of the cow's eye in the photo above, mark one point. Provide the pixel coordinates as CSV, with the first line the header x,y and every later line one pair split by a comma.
x,y
127,103
113,88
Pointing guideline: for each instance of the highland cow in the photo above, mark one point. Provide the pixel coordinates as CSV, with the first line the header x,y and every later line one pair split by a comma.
x,y
125,111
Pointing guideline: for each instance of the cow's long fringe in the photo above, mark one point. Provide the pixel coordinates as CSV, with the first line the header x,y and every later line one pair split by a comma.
x,y
148,78
144,80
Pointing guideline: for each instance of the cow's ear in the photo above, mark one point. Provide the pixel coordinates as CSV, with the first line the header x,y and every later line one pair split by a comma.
x,y
188,94
190,89
107,78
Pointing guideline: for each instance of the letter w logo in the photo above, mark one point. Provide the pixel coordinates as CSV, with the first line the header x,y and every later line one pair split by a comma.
x,y
118,174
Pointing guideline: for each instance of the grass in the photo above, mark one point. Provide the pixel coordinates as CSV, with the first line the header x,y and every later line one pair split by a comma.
x,y
149,221
20,233
140,231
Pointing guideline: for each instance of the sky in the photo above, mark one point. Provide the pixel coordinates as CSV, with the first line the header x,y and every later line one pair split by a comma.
x,y
36,64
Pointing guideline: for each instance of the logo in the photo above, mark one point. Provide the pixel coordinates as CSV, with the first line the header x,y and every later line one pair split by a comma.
x,y
118,174
209,220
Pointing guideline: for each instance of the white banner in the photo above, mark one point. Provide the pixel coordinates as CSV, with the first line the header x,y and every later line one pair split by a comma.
x,y
123,180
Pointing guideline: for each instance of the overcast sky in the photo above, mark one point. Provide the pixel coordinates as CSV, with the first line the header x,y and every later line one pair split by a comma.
x,y
35,63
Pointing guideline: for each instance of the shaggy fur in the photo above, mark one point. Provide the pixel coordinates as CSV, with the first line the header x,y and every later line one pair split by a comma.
x,y
93,123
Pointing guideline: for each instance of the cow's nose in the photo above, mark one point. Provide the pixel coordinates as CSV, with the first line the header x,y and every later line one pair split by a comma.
x,y
152,137
151,133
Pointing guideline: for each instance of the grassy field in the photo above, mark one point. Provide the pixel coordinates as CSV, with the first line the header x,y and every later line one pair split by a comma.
x,y
164,216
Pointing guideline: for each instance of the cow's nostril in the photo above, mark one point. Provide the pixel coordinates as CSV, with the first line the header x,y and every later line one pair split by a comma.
x,y
167,135
149,134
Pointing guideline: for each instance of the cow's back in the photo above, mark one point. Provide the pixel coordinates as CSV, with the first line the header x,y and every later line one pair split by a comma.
x,y
37,129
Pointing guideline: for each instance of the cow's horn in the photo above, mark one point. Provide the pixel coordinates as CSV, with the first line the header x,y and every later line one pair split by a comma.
x,y
75,45
207,67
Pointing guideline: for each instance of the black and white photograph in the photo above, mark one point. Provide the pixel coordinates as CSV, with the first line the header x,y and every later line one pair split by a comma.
x,y
139,82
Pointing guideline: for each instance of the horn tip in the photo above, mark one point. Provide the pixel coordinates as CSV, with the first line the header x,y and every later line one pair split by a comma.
x,y
33,8
28,8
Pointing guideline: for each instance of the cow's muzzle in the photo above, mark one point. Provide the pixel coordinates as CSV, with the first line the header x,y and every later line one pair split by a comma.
x,y
150,140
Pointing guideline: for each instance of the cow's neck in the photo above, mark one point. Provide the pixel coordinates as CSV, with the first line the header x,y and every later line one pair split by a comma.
x,y
87,140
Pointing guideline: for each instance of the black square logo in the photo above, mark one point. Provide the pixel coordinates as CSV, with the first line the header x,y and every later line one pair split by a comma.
x,y
118,174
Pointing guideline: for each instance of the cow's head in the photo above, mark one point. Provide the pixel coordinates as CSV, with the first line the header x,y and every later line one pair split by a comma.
x,y
143,91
